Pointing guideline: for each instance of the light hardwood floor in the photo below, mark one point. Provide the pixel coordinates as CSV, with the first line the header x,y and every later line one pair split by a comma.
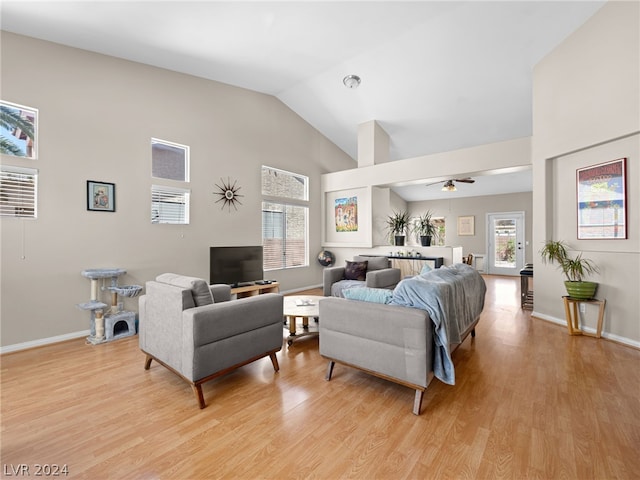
x,y
530,402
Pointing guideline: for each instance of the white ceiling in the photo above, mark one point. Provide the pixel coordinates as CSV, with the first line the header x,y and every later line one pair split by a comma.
x,y
437,76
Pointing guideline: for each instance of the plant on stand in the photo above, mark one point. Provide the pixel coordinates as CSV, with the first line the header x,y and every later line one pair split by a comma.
x,y
425,228
397,224
574,269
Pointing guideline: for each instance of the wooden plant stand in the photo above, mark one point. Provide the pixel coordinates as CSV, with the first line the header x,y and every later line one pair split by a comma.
x,y
573,319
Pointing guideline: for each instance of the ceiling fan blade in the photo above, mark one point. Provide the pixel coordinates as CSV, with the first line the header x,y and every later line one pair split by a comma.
x,y
434,183
464,180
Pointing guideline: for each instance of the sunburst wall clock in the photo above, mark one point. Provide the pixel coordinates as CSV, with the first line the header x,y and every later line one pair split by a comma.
x,y
228,193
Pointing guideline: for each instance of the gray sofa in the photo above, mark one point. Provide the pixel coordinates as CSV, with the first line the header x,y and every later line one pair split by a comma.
x,y
401,343
378,275
197,332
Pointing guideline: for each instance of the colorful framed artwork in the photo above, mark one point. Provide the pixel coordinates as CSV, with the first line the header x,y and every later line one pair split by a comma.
x,y
18,130
101,196
602,201
347,218
346,212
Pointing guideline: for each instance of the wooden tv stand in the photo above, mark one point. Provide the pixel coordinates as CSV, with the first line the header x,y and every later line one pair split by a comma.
x,y
251,290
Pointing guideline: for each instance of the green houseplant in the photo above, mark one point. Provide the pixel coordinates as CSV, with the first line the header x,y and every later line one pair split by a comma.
x,y
425,228
397,224
574,269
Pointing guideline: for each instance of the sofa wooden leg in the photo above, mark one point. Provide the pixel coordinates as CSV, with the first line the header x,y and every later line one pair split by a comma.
x,y
417,402
197,389
473,333
274,361
147,362
330,370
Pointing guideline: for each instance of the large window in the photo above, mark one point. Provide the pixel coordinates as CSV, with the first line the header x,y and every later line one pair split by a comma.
x,y
18,192
285,209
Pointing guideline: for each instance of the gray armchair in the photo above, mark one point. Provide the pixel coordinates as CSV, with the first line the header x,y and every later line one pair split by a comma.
x,y
378,275
197,332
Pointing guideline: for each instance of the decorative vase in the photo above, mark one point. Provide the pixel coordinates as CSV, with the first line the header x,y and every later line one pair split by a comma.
x,y
581,290
425,240
326,258
399,240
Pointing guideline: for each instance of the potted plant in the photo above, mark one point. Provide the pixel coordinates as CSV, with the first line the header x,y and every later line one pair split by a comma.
x,y
397,224
424,228
574,269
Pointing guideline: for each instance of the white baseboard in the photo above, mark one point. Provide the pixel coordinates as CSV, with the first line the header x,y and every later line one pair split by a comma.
x,y
44,341
610,336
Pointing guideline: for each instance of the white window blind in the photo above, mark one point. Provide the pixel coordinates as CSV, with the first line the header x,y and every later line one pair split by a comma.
x,y
18,192
284,236
169,205
285,213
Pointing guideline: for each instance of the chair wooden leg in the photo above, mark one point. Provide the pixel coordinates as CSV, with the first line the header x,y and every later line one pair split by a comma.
x,y
147,362
417,402
197,389
274,361
330,370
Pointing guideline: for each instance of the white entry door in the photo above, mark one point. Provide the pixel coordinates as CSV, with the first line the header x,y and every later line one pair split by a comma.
x,y
505,243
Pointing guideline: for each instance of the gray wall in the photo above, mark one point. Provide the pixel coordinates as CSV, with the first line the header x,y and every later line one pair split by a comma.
x,y
478,207
97,117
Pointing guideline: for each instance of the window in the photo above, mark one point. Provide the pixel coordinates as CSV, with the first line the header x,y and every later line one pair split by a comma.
x,y
285,209
439,223
18,192
18,130
169,160
278,183
169,205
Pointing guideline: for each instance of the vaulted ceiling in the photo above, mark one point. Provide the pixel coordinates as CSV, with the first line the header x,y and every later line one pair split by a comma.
x,y
437,76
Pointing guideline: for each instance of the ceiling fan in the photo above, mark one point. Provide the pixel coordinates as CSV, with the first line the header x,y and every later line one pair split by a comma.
x,y
449,186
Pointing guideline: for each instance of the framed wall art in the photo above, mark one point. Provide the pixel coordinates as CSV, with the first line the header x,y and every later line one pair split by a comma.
x,y
347,216
466,225
101,196
602,201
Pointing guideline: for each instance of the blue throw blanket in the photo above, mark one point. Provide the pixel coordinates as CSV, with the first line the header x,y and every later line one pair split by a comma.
x,y
454,297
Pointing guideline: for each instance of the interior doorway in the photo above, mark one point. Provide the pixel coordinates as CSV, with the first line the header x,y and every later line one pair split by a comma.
x,y
505,243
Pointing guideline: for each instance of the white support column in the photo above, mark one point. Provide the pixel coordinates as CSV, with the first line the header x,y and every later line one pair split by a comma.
x,y
373,144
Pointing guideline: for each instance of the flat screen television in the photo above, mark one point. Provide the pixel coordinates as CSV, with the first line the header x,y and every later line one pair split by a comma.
x,y
235,265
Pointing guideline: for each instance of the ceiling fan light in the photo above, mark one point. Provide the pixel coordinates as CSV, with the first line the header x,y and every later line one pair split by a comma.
x,y
351,81
449,186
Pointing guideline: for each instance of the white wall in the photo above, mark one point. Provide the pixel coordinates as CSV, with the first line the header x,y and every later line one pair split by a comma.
x,y
511,154
466,161
586,108
97,116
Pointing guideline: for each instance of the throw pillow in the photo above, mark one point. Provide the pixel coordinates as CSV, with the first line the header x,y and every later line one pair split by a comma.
x,y
425,269
366,294
355,271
